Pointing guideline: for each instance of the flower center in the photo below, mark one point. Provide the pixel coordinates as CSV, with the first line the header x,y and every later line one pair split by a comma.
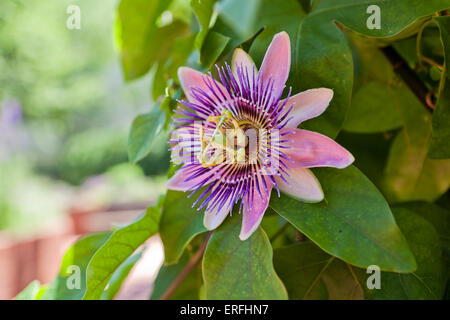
x,y
231,141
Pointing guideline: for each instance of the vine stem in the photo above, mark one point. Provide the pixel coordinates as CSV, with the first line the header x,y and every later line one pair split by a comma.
x,y
187,269
409,77
421,58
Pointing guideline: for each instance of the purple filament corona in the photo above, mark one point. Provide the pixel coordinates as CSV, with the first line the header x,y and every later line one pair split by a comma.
x,y
252,102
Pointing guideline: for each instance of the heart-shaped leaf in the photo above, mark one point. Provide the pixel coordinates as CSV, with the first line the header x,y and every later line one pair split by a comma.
x,y
122,243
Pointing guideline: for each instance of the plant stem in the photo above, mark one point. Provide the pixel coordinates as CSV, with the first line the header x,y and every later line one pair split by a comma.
x,y
299,236
409,77
187,269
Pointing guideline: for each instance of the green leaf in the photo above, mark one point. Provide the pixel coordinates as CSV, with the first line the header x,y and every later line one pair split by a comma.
x,y
370,63
213,46
119,276
241,16
371,161
275,17
322,57
325,60
375,108
180,223
440,137
203,10
278,230
300,267
311,273
235,269
167,70
122,243
33,291
189,288
409,174
353,223
427,281
341,282
145,128
142,41
399,18
79,255
439,218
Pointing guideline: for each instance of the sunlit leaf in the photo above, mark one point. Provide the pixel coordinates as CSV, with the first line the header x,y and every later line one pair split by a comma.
x,y
119,277
33,291
203,10
122,243
142,41
75,259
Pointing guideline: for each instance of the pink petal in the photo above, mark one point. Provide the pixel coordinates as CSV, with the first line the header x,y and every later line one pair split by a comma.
x,y
190,78
307,104
212,220
241,58
303,185
311,149
277,62
177,183
253,215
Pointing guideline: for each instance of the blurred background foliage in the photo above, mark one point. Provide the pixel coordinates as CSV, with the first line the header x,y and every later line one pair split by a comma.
x,y
66,110
65,113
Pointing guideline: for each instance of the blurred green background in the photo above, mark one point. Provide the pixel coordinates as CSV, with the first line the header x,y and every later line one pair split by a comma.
x,y
65,113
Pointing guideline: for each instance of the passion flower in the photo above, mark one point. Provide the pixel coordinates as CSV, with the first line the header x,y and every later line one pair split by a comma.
x,y
236,139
